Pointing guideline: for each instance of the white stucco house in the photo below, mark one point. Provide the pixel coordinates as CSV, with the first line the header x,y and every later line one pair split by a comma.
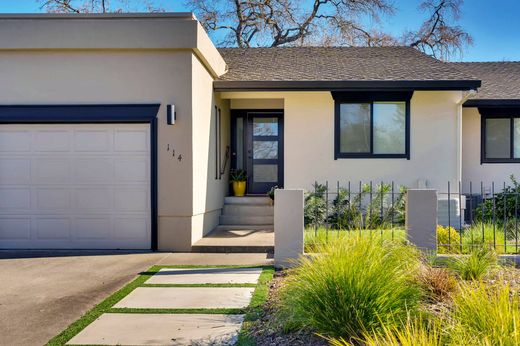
x,y
118,131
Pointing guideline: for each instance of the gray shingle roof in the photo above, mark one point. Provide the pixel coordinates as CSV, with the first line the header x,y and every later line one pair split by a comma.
x,y
336,64
500,80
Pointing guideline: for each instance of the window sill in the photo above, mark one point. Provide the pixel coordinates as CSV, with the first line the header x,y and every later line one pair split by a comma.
x,y
500,161
372,156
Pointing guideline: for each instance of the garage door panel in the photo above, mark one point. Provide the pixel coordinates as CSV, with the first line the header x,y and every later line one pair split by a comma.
x,y
94,198
15,198
132,170
93,227
15,141
94,170
53,228
15,228
83,186
54,199
131,228
15,171
92,141
130,199
51,171
52,141
131,141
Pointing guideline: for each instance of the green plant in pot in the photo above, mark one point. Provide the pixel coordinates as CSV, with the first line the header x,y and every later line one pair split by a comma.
x,y
270,194
238,179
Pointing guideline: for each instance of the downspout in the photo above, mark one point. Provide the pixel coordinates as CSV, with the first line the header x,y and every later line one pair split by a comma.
x,y
465,96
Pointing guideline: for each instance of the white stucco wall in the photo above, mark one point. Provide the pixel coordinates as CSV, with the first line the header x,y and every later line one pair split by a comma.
x,y
472,169
309,142
93,60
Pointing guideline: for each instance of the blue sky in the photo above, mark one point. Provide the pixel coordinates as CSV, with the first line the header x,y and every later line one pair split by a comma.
x,y
494,25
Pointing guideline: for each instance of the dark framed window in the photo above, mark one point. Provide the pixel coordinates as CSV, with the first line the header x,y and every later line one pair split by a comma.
x,y
372,125
500,135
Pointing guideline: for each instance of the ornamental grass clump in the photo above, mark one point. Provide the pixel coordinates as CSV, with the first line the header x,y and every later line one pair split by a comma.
x,y
476,265
355,286
415,332
486,315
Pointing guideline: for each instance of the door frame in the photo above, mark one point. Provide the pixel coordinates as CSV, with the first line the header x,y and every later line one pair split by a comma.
x,y
237,113
96,114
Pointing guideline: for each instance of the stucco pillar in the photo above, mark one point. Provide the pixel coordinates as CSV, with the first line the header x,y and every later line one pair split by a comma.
x,y
421,218
288,226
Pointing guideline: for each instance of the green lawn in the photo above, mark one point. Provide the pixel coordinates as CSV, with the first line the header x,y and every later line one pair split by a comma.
x,y
313,238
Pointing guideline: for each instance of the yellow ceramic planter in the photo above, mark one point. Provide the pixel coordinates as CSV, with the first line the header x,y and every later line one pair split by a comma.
x,y
239,188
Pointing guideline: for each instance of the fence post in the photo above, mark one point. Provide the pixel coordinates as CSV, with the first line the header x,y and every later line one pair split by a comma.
x,y
421,218
288,226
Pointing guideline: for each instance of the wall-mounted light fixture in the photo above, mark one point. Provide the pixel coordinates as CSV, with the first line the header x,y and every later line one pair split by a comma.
x,y
171,115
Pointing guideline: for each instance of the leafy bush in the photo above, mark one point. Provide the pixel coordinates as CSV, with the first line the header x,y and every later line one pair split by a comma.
x,y
448,239
504,203
485,315
358,285
474,266
315,211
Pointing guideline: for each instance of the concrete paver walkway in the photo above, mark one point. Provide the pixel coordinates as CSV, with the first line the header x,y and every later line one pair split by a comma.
x,y
161,329
187,298
137,328
200,276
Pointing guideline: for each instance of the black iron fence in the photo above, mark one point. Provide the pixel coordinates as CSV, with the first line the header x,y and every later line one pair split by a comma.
x,y
472,216
352,209
469,215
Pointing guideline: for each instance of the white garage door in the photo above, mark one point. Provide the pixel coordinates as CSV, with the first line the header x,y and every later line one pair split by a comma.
x,y
75,186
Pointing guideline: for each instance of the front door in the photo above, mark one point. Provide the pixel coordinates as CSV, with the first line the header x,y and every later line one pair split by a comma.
x,y
260,136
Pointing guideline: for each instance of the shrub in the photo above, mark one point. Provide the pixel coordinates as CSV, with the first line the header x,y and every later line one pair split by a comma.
x,y
505,203
315,211
485,315
448,239
357,285
474,266
413,333
437,282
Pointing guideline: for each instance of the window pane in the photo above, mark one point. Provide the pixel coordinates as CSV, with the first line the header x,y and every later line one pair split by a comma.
x,y
389,127
498,138
265,126
265,149
516,137
240,143
354,122
265,173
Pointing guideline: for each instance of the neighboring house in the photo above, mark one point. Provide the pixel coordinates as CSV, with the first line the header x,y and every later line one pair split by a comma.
x,y
88,158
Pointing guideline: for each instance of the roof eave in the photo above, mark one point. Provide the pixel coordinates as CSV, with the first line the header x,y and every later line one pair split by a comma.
x,y
222,85
483,103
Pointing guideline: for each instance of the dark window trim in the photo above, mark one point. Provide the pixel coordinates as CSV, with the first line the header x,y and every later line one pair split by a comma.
x,y
498,113
370,97
92,114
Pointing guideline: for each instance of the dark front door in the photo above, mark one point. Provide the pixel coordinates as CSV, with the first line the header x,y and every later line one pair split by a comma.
x,y
262,144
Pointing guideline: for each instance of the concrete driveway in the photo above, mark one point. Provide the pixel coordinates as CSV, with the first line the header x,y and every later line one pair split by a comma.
x,y
41,295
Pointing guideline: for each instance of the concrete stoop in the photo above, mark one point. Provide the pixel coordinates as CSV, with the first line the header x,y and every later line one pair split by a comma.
x,y
246,226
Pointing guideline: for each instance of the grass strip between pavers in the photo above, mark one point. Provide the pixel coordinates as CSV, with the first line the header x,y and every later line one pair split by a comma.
x,y
106,306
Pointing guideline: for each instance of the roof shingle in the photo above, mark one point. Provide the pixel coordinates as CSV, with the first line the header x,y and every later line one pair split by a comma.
x,y
500,80
336,64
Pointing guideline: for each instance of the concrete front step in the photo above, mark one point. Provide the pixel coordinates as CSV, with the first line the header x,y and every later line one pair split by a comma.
x,y
237,239
245,220
243,227
248,200
247,209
